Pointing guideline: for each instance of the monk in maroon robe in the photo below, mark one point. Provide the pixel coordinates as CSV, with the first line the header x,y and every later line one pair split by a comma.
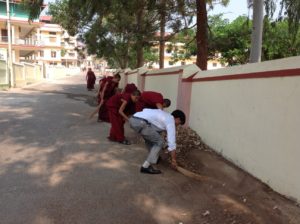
x,y
130,88
90,79
108,88
116,106
152,100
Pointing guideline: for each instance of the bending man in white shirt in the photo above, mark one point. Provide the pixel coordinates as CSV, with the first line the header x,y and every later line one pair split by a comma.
x,y
150,123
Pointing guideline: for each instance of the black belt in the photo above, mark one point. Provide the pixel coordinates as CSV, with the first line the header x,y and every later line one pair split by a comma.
x,y
142,119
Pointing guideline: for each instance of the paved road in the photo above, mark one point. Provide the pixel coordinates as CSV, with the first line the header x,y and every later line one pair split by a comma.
x,y
58,167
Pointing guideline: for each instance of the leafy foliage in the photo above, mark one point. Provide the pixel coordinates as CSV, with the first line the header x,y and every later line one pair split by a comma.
x,y
33,7
289,10
231,40
122,31
278,41
110,29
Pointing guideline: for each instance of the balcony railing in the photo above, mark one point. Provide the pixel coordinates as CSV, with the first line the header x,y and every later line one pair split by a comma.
x,y
69,57
28,42
22,41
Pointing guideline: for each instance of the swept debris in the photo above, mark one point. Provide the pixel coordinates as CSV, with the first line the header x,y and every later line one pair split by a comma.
x,y
188,140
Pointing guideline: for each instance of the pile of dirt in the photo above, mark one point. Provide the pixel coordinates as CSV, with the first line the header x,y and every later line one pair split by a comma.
x,y
187,141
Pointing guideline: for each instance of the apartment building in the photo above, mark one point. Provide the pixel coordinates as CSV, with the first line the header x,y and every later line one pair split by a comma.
x,y
39,41
70,57
51,38
24,40
59,48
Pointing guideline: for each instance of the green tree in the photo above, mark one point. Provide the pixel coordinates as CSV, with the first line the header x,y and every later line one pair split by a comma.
x,y
151,56
182,53
175,15
33,7
231,40
279,41
289,9
202,30
80,15
110,29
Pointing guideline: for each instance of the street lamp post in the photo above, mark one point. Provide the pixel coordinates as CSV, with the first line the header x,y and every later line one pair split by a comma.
x,y
9,53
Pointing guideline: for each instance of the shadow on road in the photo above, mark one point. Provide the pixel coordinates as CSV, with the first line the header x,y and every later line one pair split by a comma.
x,y
57,167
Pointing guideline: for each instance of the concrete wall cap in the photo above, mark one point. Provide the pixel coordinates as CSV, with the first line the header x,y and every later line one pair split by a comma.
x,y
273,65
185,70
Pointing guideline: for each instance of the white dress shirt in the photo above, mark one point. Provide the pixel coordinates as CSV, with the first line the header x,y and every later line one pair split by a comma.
x,y
164,121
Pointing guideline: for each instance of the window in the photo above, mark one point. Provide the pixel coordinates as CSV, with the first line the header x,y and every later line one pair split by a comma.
x,y
52,39
169,51
72,54
171,63
52,33
183,63
4,35
53,54
41,53
215,64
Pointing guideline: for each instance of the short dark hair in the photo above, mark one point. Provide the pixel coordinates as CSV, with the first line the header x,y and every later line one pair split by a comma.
x,y
167,102
179,114
117,76
136,93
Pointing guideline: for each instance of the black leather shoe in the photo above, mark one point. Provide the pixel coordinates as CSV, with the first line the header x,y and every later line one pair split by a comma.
x,y
150,170
125,142
158,160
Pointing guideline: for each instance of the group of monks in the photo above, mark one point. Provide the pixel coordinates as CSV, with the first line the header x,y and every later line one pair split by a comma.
x,y
117,106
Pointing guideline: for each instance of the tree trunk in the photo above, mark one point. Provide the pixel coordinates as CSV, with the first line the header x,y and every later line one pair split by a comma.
x,y
139,42
162,34
201,34
140,55
257,29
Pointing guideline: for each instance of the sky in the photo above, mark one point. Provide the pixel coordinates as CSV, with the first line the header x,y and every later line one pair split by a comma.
x,y
234,9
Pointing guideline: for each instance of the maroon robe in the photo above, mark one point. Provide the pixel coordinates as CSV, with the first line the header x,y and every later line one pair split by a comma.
x,y
90,79
109,92
149,100
130,88
116,120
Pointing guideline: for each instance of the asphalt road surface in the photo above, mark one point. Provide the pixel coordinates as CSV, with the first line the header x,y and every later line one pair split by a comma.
x,y
56,166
